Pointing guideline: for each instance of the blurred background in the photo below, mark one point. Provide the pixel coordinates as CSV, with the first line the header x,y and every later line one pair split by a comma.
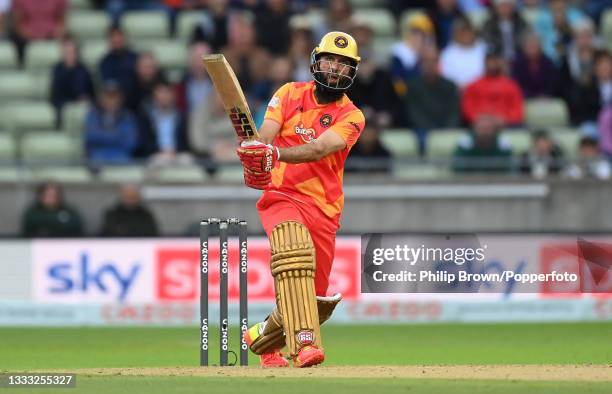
x,y
487,116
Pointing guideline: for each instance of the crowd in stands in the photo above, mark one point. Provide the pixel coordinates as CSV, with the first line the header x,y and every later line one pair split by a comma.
x,y
443,72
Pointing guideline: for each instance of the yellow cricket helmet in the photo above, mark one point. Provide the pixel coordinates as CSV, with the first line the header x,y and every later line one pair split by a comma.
x,y
341,44
338,43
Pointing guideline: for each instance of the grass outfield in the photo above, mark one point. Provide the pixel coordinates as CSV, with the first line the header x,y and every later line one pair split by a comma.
x,y
450,344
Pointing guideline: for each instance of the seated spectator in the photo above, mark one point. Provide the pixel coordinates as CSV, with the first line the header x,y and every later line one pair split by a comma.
x,y
603,73
213,27
373,90
590,164
240,46
111,131
595,8
119,65
580,86
554,26
369,155
502,32
604,126
483,150
148,74
462,61
432,100
337,18
536,74
37,20
276,73
272,25
443,15
301,44
494,94
417,34
129,217
50,216
163,131
543,158
70,81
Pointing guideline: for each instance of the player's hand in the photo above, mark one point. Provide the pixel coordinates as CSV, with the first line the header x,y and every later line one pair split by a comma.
x,y
257,179
257,156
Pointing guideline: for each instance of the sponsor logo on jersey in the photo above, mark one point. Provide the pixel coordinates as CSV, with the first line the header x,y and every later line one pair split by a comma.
x,y
274,102
307,134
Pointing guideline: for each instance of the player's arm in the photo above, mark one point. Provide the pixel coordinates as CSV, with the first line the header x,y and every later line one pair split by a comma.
x,y
327,143
268,130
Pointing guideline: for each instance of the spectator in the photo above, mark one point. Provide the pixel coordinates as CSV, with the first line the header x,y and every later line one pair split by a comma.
x,y
580,87
535,73
494,94
129,217
590,163
369,155
119,64
417,34
373,90
504,29
241,44
275,73
443,15
111,131
462,61
605,130
70,81
50,216
272,25
163,131
595,8
37,20
337,18
543,158
603,73
214,26
148,74
483,150
554,26
301,44
5,6
432,100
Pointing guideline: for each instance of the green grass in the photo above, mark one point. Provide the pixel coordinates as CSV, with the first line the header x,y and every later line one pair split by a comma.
x,y
23,349
561,343
163,385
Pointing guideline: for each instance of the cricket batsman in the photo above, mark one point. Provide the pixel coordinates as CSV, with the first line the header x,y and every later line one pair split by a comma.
x,y
308,131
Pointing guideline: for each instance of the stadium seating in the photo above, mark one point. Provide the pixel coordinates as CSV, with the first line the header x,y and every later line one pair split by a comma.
x,y
13,174
28,115
186,23
179,174
367,3
519,139
51,146
42,55
145,25
18,85
8,55
170,54
442,142
382,50
567,139
413,171
379,19
230,173
123,173
8,148
88,24
72,174
401,143
92,52
73,118
546,113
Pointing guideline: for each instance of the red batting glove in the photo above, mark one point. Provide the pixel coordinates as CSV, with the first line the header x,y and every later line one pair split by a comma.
x,y
257,156
257,180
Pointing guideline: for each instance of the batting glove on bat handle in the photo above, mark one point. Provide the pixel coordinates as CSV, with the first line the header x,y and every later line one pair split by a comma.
x,y
257,156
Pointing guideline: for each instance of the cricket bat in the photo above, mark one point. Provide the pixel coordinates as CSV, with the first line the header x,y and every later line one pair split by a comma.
x,y
232,97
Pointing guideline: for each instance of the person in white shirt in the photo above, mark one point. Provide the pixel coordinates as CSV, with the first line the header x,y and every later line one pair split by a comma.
x,y
462,61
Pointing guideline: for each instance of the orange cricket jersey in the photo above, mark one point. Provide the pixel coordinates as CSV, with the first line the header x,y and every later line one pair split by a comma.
x,y
302,120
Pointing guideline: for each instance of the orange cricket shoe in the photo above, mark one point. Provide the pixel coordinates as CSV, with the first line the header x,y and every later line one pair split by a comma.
x,y
273,359
308,356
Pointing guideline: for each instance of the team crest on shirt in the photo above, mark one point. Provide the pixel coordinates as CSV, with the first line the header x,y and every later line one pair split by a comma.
x,y
325,120
307,134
